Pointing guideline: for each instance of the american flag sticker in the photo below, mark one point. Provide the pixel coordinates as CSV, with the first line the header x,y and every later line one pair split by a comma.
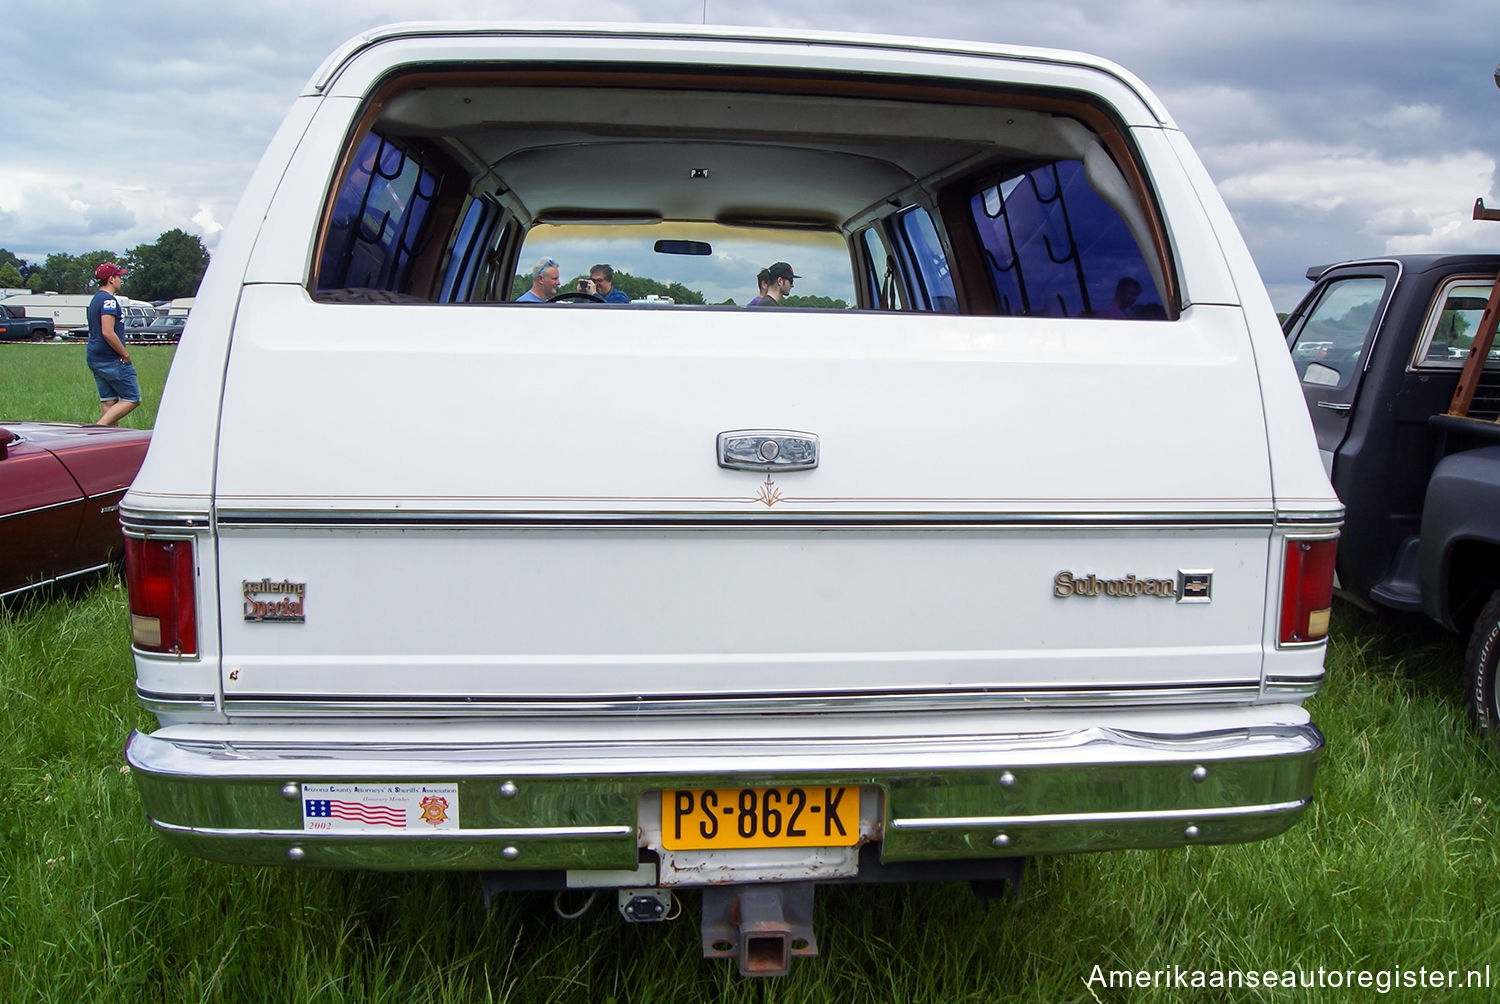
x,y
379,808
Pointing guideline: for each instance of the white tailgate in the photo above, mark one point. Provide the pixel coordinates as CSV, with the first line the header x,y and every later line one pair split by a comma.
x,y
509,501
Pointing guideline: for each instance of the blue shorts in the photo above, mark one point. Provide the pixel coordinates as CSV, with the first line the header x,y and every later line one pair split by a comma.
x,y
116,380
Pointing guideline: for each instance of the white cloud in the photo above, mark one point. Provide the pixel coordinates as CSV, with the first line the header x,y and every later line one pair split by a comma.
x,y
1399,201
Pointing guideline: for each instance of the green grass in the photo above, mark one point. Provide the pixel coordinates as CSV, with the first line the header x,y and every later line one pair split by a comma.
x,y
1395,864
50,382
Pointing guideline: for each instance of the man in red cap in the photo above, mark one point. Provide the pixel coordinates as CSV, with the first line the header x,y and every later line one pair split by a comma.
x,y
114,374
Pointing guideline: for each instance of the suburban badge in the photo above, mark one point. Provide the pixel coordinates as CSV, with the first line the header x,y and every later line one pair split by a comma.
x,y
1065,584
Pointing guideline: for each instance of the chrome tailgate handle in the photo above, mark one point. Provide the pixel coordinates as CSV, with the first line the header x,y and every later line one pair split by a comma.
x,y
768,450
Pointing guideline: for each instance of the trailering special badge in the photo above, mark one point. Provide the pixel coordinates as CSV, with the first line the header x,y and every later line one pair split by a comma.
x,y
379,808
267,600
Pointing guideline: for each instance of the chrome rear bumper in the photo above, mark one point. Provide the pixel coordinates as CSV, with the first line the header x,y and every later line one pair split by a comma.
x,y
578,805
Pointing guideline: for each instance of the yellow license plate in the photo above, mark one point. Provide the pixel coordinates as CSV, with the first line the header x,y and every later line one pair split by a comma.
x,y
720,818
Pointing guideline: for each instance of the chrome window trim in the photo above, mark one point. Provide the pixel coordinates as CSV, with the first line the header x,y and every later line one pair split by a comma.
x,y
1415,363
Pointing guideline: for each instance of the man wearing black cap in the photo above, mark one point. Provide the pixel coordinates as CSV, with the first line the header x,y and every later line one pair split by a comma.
x,y
114,374
779,284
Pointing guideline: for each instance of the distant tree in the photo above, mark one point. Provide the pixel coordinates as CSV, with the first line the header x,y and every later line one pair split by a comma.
x,y
67,273
171,267
826,302
10,277
22,266
638,287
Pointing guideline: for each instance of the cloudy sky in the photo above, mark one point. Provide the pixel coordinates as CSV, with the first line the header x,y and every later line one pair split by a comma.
x,y
1334,128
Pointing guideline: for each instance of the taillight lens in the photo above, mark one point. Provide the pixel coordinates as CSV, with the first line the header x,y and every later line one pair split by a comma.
x,y
159,581
1307,590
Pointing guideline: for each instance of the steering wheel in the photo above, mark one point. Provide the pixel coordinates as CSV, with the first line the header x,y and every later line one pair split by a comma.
x,y
574,296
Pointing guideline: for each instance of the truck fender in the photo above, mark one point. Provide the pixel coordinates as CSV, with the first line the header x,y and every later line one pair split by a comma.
x,y
1462,509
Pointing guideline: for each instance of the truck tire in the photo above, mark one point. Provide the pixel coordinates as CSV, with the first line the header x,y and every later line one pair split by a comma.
x,y
1481,662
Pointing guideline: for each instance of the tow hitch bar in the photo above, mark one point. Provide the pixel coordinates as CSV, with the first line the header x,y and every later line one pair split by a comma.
x,y
764,926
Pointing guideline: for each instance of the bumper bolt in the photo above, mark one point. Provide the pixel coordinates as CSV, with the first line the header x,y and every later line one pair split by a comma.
x,y
1191,833
1200,773
509,790
290,791
510,853
1007,779
1001,840
295,853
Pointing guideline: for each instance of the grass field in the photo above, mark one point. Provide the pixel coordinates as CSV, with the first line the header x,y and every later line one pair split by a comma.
x,y
50,382
1394,866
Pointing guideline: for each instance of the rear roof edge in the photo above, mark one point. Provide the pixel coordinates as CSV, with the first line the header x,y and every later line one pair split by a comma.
x,y
346,53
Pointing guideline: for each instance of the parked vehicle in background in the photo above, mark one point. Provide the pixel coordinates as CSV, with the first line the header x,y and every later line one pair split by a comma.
x,y
135,318
15,326
1028,552
162,329
69,311
1381,346
60,490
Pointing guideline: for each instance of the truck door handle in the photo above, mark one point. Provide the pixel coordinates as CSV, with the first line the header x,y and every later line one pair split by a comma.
x,y
1335,406
768,450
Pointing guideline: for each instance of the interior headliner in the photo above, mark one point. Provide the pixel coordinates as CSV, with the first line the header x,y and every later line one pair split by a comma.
x,y
769,157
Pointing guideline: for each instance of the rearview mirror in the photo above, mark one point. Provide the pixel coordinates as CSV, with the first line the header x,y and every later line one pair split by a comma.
x,y
683,247
6,438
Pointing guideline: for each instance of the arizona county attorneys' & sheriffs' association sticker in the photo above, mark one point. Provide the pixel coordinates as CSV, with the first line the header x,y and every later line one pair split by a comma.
x,y
379,808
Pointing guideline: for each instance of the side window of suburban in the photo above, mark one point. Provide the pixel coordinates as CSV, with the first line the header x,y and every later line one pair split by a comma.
x,y
373,236
469,259
928,261
1055,248
1451,325
881,274
1331,341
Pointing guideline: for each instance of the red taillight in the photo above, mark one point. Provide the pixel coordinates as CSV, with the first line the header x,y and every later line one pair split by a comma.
x,y
1307,590
159,581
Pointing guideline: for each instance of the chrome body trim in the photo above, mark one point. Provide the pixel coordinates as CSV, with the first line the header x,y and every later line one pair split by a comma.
x,y
54,580
1103,818
239,519
173,703
576,804
140,522
40,508
392,706
521,833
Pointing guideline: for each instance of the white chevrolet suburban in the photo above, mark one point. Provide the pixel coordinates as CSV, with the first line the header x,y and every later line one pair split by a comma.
x,y
1000,531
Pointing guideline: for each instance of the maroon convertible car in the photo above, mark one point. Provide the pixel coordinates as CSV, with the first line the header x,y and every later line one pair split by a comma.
x,y
60,489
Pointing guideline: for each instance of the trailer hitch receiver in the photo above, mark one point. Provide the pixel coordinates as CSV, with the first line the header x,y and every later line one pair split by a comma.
x,y
764,926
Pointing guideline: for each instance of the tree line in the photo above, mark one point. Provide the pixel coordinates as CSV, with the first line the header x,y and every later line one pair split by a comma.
x,y
172,266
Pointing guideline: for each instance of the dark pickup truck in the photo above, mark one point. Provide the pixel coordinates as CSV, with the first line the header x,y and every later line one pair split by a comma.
x,y
1398,366
17,327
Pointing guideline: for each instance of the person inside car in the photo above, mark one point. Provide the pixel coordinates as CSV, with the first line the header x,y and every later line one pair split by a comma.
x,y
544,282
779,283
603,277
